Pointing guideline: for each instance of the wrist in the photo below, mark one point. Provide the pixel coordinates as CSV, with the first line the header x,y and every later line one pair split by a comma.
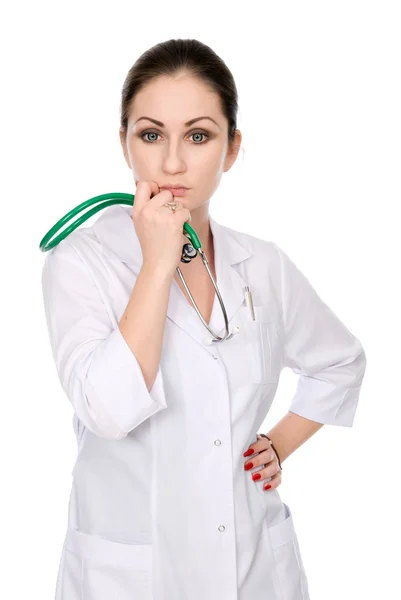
x,y
274,448
159,271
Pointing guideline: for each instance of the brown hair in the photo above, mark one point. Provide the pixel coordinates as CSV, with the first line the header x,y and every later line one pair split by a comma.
x,y
183,56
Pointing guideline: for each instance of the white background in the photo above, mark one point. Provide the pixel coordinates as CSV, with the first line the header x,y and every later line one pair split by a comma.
x,y
319,174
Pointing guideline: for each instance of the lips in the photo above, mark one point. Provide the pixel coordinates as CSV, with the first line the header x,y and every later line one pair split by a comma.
x,y
173,187
176,191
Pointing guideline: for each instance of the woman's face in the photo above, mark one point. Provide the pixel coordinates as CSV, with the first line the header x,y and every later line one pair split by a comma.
x,y
193,155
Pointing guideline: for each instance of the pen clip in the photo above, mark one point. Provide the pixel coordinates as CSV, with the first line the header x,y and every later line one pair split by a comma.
x,y
248,301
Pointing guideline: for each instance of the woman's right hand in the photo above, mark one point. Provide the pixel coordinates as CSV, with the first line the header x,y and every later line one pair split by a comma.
x,y
159,229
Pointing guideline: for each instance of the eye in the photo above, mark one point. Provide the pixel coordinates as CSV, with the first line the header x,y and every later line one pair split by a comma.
x,y
142,136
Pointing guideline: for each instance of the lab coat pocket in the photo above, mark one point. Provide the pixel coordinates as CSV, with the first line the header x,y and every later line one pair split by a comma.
x,y
255,349
99,569
289,566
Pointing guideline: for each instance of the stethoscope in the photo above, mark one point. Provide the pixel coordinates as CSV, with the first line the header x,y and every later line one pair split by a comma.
x,y
189,250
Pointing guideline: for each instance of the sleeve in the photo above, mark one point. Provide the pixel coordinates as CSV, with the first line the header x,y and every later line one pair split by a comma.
x,y
96,368
328,358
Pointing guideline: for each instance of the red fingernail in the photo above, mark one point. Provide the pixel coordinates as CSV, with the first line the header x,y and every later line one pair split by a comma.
x,y
267,486
249,452
248,466
256,476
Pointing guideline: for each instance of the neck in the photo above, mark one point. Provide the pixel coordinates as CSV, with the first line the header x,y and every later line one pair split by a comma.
x,y
201,226
200,223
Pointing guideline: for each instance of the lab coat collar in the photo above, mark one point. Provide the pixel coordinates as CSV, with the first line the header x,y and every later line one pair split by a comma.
x,y
115,231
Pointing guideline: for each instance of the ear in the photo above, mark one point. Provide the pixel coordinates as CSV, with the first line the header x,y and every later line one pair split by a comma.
x,y
232,151
121,132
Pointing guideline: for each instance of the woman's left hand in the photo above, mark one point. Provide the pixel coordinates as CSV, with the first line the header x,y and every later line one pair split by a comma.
x,y
263,455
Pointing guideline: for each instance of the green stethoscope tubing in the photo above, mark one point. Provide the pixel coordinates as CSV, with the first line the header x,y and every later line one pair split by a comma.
x,y
105,200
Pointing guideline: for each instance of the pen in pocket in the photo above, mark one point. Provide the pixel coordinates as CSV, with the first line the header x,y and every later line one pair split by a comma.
x,y
248,300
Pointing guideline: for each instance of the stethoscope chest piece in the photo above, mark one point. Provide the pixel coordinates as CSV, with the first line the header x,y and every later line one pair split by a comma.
x,y
188,252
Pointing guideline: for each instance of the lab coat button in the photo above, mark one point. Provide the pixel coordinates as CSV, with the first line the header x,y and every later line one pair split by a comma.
x,y
214,356
221,528
217,442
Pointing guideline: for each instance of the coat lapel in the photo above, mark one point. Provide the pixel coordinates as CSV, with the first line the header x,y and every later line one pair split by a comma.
x,y
115,231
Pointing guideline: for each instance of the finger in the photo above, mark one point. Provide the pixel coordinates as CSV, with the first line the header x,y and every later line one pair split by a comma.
x,y
266,457
274,481
260,444
163,197
177,207
268,476
144,191
185,215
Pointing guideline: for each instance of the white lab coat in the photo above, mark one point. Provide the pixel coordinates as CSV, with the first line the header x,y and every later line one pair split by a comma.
x,y
161,507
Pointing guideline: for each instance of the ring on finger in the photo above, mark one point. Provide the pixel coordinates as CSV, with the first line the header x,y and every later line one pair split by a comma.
x,y
172,205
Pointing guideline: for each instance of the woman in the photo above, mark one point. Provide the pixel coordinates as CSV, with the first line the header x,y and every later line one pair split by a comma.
x,y
175,494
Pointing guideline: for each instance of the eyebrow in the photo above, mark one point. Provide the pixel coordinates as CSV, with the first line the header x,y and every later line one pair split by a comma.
x,y
187,124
